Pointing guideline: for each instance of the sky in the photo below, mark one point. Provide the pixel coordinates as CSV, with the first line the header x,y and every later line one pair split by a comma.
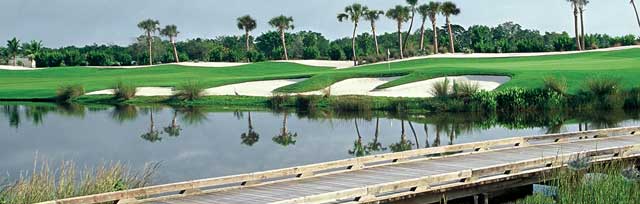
x,y
81,22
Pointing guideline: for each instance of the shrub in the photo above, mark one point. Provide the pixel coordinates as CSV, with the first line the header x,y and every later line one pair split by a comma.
x,y
632,99
558,85
602,86
190,91
440,89
465,89
124,91
307,102
350,104
69,92
279,100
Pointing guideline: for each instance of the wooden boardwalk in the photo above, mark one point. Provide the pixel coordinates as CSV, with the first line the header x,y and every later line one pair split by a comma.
x,y
391,176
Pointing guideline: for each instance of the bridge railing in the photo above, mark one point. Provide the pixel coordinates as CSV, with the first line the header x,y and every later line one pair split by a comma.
x,y
250,179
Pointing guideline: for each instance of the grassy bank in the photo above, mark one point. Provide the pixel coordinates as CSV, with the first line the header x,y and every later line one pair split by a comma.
x,y
607,183
46,182
526,72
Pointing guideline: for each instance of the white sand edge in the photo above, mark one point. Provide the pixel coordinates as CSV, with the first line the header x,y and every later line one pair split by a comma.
x,y
354,86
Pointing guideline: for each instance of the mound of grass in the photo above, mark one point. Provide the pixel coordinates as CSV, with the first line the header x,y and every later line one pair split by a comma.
x,y
66,93
555,84
440,89
124,91
190,91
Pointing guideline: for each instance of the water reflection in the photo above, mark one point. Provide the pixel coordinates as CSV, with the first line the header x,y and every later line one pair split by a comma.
x,y
196,141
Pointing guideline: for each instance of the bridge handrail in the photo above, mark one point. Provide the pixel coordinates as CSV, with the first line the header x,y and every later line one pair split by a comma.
x,y
352,164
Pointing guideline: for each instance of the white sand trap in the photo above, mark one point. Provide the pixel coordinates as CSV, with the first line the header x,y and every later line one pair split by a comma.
x,y
423,89
17,68
255,88
354,86
322,63
140,91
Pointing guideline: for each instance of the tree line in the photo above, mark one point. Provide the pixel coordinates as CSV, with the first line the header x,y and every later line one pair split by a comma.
x,y
364,48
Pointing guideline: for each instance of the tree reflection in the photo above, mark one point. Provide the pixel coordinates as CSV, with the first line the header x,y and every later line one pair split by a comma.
x,y
37,113
250,137
152,135
13,113
174,129
403,144
285,138
193,114
375,145
359,149
123,113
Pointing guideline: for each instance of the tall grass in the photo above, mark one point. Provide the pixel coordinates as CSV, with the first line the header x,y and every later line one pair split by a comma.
x,y
440,89
45,183
124,91
66,93
602,86
465,89
607,183
190,91
559,85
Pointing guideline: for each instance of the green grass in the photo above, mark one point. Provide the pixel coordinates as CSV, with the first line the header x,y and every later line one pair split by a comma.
x,y
526,72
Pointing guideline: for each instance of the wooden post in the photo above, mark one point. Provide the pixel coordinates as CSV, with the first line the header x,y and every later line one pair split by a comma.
x,y
486,198
475,199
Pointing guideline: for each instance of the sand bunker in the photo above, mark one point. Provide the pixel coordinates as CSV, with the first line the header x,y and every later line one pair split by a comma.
x,y
355,86
255,88
424,88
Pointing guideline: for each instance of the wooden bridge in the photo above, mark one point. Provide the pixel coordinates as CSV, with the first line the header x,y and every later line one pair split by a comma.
x,y
393,176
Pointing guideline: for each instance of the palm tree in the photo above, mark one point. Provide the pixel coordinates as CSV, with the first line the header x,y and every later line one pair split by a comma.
x,y
450,9
171,31
13,48
353,13
633,3
282,23
430,10
247,24
359,149
582,5
149,26
412,7
400,14
375,145
403,144
575,4
372,16
32,50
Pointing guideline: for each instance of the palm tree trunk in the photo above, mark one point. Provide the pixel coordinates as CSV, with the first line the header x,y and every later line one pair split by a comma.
x,y
175,50
426,133
15,60
375,37
422,35
174,121
406,39
284,124
400,40
451,47
284,45
435,37
150,50
636,10
250,121
353,45
246,39
583,45
575,22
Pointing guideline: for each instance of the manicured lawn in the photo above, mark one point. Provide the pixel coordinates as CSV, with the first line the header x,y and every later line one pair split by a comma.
x,y
526,72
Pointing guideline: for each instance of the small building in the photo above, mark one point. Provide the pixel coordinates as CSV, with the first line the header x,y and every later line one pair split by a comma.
x,y
23,62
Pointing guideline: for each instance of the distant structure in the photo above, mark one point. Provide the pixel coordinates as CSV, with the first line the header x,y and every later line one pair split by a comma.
x,y
23,62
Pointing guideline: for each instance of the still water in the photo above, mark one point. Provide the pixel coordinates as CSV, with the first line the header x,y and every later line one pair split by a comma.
x,y
201,142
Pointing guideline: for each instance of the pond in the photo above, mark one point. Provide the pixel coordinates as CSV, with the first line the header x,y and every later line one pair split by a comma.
x,y
201,142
